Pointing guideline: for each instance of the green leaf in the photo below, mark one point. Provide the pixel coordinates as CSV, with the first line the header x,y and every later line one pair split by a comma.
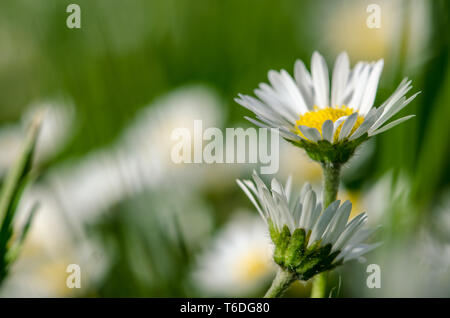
x,y
14,250
12,190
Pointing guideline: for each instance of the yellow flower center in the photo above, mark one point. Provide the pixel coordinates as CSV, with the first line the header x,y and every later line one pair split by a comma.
x,y
253,266
318,116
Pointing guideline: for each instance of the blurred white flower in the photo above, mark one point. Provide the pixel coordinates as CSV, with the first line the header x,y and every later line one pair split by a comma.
x,y
383,195
435,253
420,266
441,214
417,268
149,137
401,274
139,160
51,245
294,162
346,28
239,262
435,245
77,192
87,188
57,128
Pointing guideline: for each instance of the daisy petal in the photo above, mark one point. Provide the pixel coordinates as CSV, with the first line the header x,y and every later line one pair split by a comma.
x,y
351,82
337,123
294,92
269,97
340,76
386,114
304,83
371,88
402,103
307,187
320,79
362,235
337,224
315,216
371,118
252,199
311,133
323,222
282,131
288,187
348,126
327,130
390,125
400,91
360,250
309,204
360,87
351,228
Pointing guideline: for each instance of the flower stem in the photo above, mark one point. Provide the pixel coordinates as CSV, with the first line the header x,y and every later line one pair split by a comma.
x,y
281,282
331,174
319,286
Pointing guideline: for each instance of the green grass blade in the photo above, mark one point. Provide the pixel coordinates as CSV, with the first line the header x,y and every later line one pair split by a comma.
x,y
12,190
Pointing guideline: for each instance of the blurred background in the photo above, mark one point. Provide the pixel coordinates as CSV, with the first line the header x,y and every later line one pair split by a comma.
x,y
112,201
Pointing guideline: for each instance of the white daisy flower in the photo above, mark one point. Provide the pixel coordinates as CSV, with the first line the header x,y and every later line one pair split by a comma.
x,y
308,113
239,261
307,240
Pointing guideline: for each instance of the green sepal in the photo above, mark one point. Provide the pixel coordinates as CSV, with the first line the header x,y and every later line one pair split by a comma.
x,y
273,231
293,254
281,246
309,259
295,249
324,151
330,258
314,262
